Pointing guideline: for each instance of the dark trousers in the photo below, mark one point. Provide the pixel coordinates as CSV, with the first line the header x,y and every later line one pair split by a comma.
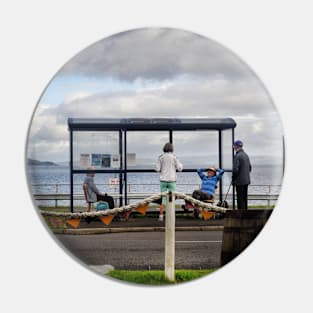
x,y
242,197
201,196
107,199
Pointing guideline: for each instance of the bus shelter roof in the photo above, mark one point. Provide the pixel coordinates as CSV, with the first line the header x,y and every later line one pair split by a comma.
x,y
102,124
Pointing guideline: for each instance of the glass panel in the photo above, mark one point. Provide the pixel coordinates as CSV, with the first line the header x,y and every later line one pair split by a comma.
x,y
98,149
143,148
196,149
150,182
227,149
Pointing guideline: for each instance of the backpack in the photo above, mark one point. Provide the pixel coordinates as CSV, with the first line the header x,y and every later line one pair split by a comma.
x,y
102,205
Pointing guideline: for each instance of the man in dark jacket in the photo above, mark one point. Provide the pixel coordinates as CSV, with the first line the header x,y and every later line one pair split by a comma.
x,y
241,175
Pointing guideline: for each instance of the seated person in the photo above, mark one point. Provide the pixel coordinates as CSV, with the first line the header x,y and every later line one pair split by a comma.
x,y
209,183
92,193
208,186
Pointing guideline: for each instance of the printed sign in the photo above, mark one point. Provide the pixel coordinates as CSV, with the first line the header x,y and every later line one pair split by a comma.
x,y
96,159
115,161
105,160
84,160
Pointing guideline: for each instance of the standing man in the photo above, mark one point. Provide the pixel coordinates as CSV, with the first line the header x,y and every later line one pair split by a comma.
x,y
241,175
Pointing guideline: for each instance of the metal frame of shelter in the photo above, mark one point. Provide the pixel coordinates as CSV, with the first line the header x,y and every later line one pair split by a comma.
x,y
125,125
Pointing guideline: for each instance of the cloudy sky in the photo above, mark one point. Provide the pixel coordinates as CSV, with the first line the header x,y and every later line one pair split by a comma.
x,y
157,72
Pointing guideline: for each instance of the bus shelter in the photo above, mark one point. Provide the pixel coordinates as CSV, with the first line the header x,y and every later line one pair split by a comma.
x,y
112,154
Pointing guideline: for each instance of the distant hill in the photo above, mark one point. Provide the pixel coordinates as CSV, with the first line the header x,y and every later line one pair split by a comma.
x,y
36,162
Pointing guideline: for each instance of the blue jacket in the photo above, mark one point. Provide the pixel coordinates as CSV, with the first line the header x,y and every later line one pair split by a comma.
x,y
209,183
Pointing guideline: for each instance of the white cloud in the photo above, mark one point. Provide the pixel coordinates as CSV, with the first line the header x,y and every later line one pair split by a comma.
x,y
155,54
257,119
76,96
168,73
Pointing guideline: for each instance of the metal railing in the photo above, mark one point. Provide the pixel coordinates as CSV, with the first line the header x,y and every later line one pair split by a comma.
x,y
58,185
55,193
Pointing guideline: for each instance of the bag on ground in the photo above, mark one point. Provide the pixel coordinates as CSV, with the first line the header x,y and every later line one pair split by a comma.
x,y
102,205
222,204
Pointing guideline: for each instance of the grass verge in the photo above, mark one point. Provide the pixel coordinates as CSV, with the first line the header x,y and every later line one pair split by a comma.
x,y
156,277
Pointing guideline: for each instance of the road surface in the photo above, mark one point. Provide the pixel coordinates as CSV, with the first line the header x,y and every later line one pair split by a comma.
x,y
145,250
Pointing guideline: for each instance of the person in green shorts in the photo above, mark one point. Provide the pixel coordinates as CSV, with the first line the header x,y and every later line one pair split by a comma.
x,y
167,164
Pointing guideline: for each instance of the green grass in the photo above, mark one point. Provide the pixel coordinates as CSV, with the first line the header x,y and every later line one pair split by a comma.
x,y
156,277
261,207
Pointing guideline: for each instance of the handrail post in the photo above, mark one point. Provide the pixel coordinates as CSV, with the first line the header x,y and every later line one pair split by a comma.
x,y
170,237
56,191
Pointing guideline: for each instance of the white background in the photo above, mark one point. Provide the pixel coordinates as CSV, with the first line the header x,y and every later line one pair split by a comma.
x,y
274,38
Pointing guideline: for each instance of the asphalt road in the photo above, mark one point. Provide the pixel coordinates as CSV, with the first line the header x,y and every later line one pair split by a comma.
x,y
145,250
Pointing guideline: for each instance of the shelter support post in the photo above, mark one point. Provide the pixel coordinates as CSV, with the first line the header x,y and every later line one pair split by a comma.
x,y
171,136
232,153
71,174
125,168
220,161
170,237
121,166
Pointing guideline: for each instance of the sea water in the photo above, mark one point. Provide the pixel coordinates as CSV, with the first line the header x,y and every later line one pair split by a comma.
x,y
265,179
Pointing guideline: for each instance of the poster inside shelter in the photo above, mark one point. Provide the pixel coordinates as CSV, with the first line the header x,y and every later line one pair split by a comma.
x,y
115,161
84,160
105,160
96,159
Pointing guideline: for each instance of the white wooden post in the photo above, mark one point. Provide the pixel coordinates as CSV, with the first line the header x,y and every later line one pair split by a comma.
x,y
170,238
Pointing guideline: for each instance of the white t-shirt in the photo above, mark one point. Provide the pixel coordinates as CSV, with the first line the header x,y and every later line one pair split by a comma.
x,y
167,164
